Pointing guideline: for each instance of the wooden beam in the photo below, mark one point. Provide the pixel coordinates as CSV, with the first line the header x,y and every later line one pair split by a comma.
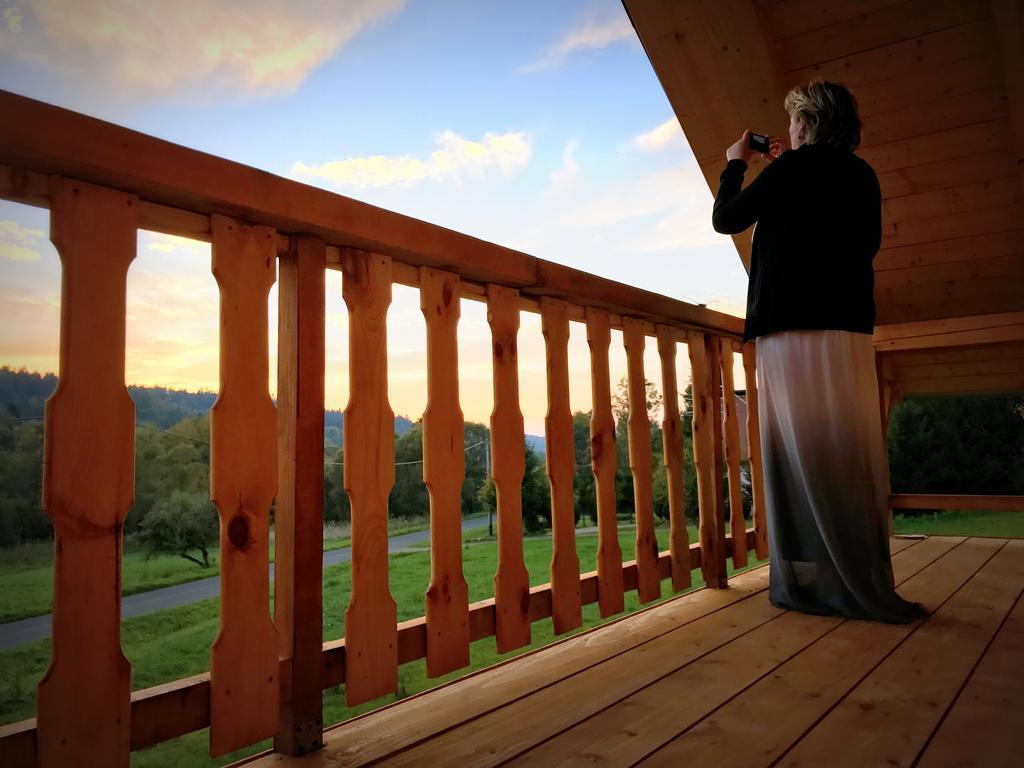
x,y
963,385
950,332
956,501
42,139
299,511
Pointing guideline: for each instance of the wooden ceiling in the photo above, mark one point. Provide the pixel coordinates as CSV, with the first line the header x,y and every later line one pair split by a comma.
x,y
940,84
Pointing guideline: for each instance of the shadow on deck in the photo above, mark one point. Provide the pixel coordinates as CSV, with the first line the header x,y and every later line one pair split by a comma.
x,y
723,678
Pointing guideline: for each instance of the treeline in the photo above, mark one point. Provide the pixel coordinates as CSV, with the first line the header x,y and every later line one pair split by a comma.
x,y
937,445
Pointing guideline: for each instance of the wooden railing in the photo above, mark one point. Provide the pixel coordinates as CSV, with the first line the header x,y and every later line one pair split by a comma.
x,y
101,184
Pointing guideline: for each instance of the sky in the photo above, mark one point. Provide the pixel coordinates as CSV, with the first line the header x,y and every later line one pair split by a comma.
x,y
537,125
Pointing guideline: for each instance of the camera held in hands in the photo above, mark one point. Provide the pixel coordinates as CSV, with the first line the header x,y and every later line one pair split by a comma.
x,y
760,143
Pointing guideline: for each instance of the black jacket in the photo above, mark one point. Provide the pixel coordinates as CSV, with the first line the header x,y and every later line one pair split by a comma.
x,y
818,212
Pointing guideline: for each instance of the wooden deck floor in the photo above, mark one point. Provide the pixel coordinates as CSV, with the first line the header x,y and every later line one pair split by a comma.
x,y
723,678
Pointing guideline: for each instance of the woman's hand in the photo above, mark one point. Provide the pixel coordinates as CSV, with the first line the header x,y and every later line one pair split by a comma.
x,y
775,148
741,149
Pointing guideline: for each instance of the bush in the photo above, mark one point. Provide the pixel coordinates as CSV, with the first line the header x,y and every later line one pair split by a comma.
x,y
180,524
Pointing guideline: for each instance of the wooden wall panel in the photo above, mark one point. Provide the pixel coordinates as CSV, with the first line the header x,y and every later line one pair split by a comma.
x,y
878,28
508,464
986,246
444,465
640,462
560,460
88,481
244,682
299,513
371,619
672,451
603,461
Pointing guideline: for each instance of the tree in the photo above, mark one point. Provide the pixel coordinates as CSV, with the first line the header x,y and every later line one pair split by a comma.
x,y
536,494
969,445
182,523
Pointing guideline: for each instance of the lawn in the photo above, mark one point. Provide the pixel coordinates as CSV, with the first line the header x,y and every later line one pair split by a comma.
x,y
175,643
962,523
28,570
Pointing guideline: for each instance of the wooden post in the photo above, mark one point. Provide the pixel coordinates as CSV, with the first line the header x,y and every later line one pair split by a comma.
x,y
709,481
648,582
371,619
732,456
610,587
508,464
444,465
560,461
672,448
886,398
299,513
88,481
244,684
754,441
715,367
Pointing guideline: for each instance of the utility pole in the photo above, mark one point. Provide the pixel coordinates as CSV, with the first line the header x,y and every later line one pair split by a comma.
x,y
487,476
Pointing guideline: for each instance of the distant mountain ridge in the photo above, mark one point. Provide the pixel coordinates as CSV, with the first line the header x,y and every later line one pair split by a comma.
x,y
23,395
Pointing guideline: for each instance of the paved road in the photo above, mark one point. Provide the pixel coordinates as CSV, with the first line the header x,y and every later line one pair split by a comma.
x,y
37,627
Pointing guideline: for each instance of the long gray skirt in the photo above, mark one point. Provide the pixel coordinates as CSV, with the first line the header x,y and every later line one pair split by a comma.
x,y
825,477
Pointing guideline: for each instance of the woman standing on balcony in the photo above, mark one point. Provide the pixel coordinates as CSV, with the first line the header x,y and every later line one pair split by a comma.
x,y
810,305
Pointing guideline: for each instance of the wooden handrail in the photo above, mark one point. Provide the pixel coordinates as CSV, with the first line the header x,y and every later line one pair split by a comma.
x,y
181,185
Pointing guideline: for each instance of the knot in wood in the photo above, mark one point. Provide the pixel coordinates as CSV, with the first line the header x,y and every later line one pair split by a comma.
x,y
238,531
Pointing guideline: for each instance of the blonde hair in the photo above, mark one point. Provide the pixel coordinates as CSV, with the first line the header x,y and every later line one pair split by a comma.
x,y
828,112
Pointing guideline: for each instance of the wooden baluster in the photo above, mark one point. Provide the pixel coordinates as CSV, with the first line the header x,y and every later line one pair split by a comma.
x,y
88,481
715,366
640,461
710,530
244,684
443,472
560,462
610,588
371,620
672,442
299,513
732,456
754,441
508,463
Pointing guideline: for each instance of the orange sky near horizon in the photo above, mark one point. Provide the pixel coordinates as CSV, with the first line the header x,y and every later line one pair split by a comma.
x,y
172,328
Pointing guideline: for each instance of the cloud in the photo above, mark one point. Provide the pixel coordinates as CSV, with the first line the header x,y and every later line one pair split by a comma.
x,y
17,243
589,35
564,177
454,157
224,48
158,241
659,137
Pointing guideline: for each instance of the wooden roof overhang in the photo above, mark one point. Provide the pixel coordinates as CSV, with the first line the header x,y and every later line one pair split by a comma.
x,y
940,84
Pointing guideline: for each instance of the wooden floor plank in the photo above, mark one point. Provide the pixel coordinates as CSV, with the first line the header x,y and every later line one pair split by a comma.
x,y
984,725
770,716
500,735
506,732
636,726
383,732
896,708
380,733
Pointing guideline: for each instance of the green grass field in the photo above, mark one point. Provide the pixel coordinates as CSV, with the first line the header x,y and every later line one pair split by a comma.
x,y
28,570
175,643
